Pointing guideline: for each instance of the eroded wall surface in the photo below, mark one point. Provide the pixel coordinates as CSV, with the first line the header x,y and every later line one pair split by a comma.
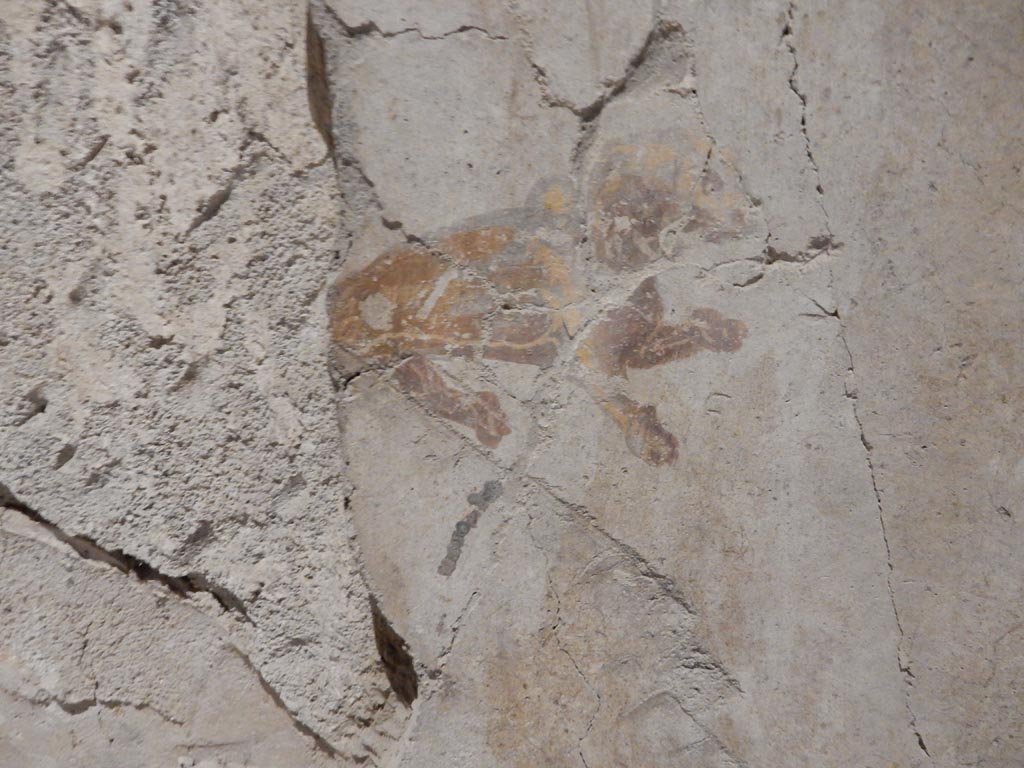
x,y
512,384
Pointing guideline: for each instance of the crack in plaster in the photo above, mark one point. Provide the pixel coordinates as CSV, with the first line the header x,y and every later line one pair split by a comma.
x,y
788,32
659,32
352,177
88,549
181,586
561,647
661,35
904,666
643,567
456,625
319,742
370,28
787,36
81,706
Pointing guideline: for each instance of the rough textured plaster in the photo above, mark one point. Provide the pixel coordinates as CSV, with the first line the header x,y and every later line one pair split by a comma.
x,y
514,384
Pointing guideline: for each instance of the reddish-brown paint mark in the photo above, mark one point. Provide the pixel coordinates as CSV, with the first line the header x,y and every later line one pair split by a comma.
x,y
636,335
480,411
646,438
530,337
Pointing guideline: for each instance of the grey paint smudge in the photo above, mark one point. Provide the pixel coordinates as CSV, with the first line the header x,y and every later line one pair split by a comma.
x,y
479,501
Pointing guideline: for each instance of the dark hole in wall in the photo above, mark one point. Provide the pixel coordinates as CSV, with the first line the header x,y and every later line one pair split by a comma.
x,y
394,654
65,454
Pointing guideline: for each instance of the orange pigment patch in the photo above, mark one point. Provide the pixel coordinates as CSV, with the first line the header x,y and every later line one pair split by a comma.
x,y
556,201
636,336
477,245
408,300
413,300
